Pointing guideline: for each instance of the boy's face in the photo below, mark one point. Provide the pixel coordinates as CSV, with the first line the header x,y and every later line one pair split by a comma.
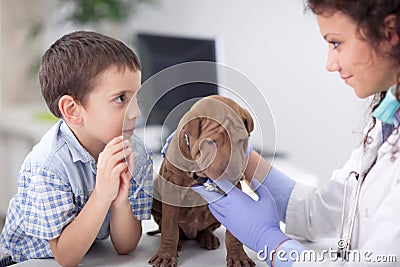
x,y
106,114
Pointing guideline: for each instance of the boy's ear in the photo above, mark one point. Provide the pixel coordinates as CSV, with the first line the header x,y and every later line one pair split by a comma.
x,y
390,29
70,109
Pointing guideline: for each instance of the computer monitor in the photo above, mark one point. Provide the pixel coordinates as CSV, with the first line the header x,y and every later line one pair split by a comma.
x,y
157,52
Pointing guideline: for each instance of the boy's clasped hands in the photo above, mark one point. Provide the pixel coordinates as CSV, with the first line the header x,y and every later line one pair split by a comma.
x,y
114,167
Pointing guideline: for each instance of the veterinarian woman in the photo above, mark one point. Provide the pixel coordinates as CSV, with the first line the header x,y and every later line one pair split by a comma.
x,y
363,40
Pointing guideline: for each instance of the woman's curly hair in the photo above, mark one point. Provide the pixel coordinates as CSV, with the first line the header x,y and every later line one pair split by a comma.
x,y
369,15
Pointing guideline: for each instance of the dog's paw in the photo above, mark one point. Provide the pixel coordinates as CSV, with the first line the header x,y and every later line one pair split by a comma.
x,y
239,260
207,240
163,259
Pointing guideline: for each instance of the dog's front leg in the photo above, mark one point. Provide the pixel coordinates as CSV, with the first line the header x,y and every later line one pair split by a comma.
x,y
168,252
236,256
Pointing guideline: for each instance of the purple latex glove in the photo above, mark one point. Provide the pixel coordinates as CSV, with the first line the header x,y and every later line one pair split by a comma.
x,y
254,223
166,145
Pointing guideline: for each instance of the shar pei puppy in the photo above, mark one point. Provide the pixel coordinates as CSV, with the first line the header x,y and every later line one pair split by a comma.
x,y
211,141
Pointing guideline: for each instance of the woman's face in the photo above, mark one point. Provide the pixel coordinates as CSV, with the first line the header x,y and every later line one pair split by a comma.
x,y
354,58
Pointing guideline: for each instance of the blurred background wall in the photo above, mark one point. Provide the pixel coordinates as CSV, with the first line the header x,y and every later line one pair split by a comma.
x,y
19,51
318,118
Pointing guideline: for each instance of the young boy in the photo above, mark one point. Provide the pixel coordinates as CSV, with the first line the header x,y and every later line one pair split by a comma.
x,y
76,185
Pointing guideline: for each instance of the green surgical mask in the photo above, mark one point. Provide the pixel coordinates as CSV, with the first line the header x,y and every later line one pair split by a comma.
x,y
387,108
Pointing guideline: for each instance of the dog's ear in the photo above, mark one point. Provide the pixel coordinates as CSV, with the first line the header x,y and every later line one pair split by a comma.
x,y
243,113
247,120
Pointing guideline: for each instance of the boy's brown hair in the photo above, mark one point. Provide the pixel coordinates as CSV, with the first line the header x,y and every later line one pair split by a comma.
x,y
71,65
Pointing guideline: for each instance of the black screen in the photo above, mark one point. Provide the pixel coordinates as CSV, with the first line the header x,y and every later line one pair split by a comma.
x,y
158,103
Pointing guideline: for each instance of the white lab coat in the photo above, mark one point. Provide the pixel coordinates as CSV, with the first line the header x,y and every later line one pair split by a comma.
x,y
315,214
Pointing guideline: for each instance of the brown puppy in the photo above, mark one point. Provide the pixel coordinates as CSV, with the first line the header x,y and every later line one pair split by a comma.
x,y
211,141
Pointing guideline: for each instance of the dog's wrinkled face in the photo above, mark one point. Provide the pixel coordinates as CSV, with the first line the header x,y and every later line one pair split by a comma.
x,y
214,136
213,139
212,149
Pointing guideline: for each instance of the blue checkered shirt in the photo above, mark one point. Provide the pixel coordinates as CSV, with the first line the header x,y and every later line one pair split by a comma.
x,y
54,183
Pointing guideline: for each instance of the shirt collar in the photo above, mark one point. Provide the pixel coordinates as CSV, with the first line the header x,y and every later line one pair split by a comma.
x,y
78,152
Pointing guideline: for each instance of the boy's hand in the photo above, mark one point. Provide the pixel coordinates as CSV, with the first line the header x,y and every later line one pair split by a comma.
x,y
124,184
111,166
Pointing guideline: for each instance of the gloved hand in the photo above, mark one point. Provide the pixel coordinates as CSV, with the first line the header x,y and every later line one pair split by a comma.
x,y
280,187
254,223
166,145
279,184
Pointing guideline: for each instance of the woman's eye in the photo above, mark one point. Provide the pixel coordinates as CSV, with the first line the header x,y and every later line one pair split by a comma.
x,y
334,44
120,99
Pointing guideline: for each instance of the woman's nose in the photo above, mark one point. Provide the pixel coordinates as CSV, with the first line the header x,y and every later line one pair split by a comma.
x,y
332,63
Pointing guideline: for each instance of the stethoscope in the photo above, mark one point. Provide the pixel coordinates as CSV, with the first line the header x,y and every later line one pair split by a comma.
x,y
344,246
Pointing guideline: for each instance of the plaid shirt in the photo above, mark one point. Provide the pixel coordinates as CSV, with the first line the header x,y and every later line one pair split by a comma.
x,y
54,184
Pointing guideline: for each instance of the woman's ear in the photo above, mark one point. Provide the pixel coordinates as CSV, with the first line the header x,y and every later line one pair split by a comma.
x,y
70,109
390,29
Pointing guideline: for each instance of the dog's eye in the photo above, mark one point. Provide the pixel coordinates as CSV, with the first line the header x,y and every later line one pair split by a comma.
x,y
212,140
215,142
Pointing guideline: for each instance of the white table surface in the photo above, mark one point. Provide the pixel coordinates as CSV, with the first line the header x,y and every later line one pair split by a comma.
x,y
102,253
